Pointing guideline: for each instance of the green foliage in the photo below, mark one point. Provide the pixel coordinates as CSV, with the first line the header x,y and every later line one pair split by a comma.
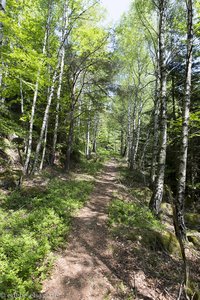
x,y
132,215
92,166
33,223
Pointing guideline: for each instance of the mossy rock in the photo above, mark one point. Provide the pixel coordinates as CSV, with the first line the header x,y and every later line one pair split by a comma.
x,y
193,291
166,209
194,239
10,180
192,220
156,240
169,242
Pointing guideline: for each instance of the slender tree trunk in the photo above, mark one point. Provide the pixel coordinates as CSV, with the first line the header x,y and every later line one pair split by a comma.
x,y
45,119
70,139
2,8
137,135
44,147
88,139
55,136
179,201
122,143
31,123
129,130
50,97
173,98
22,97
133,136
157,196
3,83
142,159
94,143
155,135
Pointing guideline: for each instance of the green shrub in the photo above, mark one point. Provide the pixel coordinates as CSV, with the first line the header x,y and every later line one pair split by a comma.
x,y
90,167
32,224
132,215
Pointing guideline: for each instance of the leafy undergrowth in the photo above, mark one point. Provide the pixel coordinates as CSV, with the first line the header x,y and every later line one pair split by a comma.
x,y
131,215
145,237
90,167
33,222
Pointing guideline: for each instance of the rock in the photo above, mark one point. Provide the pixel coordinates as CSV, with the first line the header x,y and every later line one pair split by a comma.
x,y
166,208
194,238
193,291
157,240
169,242
192,220
10,180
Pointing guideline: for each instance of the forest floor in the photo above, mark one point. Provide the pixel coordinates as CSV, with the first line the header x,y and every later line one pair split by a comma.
x,y
98,266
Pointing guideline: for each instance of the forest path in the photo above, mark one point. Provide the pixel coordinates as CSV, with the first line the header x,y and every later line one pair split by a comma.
x,y
87,269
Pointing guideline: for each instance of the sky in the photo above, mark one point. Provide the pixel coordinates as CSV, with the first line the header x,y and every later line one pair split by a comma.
x,y
115,8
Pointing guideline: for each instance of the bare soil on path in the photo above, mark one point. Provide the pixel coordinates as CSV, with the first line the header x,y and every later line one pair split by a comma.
x,y
95,265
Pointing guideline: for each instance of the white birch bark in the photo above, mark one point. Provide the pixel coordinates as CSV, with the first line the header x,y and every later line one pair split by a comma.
x,y
157,196
95,132
137,135
55,136
70,139
129,129
131,153
31,122
21,97
50,97
179,201
88,140
155,135
44,148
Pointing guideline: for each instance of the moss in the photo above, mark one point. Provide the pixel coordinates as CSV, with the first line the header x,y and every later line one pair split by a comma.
x,y
162,240
194,239
192,220
166,208
169,242
156,240
193,291
10,179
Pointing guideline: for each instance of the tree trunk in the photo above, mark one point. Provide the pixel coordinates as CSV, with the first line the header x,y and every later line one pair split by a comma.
x,y
70,140
157,196
155,135
142,158
2,8
50,97
179,201
55,136
94,143
44,148
133,136
22,97
87,152
31,123
129,130
45,119
137,135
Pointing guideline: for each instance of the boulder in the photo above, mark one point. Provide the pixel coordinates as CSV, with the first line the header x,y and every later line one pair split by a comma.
x,y
192,220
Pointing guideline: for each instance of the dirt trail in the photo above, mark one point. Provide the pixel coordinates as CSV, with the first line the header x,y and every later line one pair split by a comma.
x,y
84,271
97,266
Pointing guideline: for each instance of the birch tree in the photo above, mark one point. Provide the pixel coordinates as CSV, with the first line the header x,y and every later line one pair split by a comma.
x,y
160,174
35,97
181,183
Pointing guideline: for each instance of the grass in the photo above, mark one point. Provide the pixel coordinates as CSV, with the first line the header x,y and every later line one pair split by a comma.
x,y
34,222
131,215
90,167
